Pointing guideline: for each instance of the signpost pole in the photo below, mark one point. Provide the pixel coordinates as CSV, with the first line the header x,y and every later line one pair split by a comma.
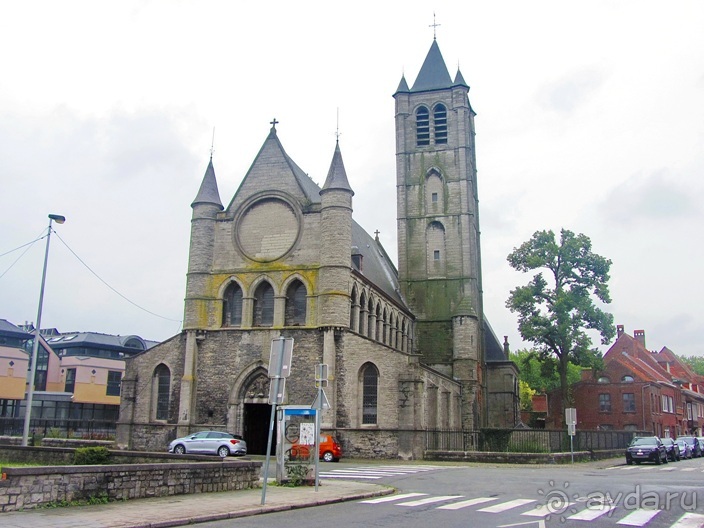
x,y
279,369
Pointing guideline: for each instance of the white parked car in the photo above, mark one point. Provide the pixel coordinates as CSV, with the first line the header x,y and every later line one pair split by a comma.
x,y
209,443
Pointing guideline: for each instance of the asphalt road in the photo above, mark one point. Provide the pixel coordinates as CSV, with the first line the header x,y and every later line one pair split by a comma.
x,y
459,495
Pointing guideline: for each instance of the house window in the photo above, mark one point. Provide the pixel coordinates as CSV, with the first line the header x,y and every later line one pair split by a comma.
x,y
434,197
70,384
264,305
296,304
603,379
436,254
629,402
440,124
627,379
422,127
161,391
605,402
232,306
41,368
114,379
370,394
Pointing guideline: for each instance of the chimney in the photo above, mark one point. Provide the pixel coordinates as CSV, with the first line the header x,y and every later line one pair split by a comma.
x,y
619,331
506,347
639,336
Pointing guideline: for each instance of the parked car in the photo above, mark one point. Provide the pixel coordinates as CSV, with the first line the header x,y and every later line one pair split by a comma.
x,y
646,449
329,451
210,443
693,444
685,450
672,449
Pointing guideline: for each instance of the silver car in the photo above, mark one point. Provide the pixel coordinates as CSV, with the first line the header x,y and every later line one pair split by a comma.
x,y
209,443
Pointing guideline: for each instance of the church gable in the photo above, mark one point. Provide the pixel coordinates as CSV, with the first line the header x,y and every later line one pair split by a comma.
x,y
273,169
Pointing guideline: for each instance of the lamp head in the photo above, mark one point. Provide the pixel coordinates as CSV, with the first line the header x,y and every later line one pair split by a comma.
x,y
57,218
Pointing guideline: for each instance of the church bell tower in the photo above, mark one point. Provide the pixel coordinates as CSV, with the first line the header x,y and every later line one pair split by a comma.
x,y
438,225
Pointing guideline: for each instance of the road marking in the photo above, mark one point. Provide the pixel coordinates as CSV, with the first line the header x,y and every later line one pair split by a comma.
x,y
542,510
638,517
392,498
689,520
466,503
688,469
328,476
591,513
498,508
668,469
429,500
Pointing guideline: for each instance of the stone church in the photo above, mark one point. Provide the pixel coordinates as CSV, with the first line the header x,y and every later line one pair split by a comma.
x,y
408,349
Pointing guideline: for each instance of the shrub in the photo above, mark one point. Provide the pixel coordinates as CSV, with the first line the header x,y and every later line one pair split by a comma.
x,y
91,456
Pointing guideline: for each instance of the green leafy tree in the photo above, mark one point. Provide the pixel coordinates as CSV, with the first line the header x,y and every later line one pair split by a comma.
x,y
541,374
525,393
696,363
555,314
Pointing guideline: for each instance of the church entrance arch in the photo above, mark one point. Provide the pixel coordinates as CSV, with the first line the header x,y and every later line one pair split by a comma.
x,y
256,414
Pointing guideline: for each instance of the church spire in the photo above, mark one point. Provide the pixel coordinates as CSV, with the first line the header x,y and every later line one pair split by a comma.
x,y
433,74
337,176
208,192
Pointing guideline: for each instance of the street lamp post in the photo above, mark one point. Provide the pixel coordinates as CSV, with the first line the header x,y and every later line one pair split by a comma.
x,y
35,348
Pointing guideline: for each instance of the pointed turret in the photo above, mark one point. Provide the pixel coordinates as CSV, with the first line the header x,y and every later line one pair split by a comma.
x,y
433,74
459,80
208,192
206,207
402,86
335,245
337,177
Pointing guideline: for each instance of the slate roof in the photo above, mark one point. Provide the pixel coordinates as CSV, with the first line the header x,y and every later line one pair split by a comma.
x,y
337,177
376,265
493,350
7,329
433,74
95,340
208,192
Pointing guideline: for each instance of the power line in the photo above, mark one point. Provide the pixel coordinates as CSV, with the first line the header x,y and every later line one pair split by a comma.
x,y
113,289
29,246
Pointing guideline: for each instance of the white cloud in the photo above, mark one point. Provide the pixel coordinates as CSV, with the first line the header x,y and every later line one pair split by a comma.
x,y
108,108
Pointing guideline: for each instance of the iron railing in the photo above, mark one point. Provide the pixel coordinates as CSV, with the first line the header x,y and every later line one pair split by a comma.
x,y
527,440
59,428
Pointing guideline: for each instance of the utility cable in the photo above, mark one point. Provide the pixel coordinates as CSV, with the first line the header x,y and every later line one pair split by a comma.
x,y
113,289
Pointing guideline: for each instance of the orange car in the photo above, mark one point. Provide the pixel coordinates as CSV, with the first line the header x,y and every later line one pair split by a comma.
x,y
330,450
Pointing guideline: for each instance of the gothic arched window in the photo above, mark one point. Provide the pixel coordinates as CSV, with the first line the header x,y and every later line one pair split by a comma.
x,y
296,296
161,392
370,393
422,127
232,306
264,305
440,124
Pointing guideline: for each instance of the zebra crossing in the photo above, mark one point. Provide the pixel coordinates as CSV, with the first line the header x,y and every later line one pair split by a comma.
x,y
667,469
378,472
572,511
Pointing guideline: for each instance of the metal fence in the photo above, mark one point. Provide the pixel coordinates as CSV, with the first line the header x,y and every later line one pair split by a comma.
x,y
527,440
60,428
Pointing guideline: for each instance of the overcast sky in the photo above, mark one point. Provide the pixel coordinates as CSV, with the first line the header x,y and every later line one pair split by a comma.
x,y
590,117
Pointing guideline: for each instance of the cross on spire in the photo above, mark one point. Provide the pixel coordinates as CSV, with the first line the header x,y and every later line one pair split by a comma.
x,y
273,123
377,234
434,25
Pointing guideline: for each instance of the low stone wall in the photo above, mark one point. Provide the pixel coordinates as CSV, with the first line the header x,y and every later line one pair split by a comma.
x,y
53,456
521,458
30,487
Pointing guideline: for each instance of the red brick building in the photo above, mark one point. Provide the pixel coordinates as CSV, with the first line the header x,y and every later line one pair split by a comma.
x,y
638,390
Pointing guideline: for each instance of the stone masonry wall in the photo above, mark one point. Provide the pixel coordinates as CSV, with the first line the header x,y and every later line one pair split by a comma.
x,y
31,487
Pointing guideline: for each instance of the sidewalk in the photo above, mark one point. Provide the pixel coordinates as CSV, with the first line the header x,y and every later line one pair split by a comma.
x,y
180,510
